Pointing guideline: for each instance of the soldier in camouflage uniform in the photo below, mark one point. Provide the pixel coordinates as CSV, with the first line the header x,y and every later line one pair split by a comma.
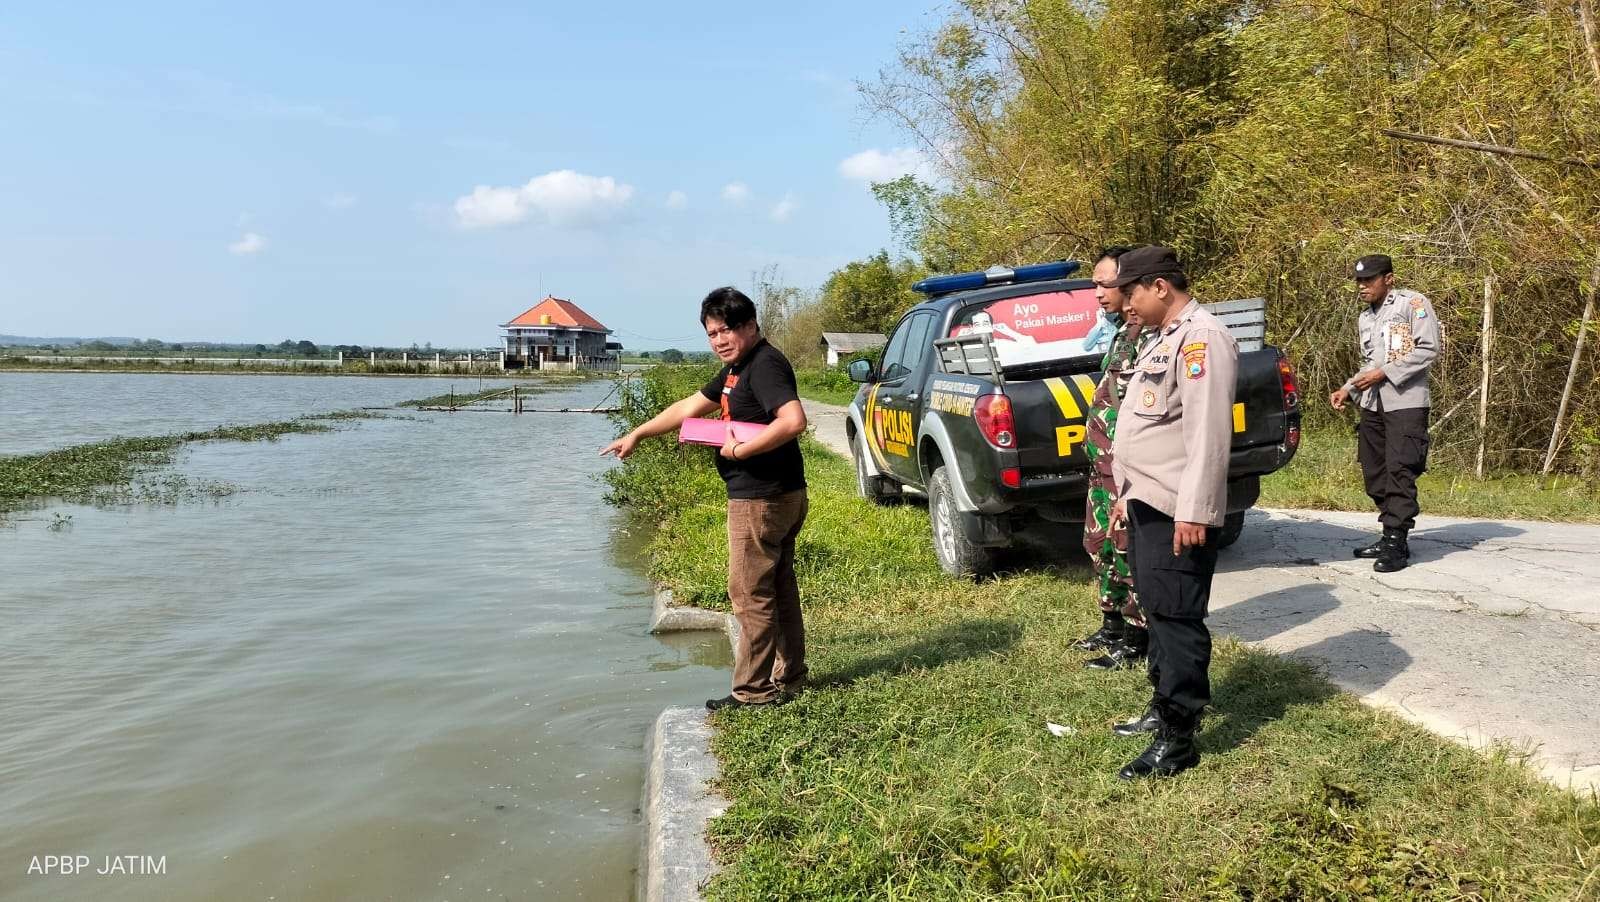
x,y
1122,636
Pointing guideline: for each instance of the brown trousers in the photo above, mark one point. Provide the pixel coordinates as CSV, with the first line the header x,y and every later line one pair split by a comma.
x,y
771,657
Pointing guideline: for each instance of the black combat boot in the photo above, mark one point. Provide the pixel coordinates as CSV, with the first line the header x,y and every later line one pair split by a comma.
x,y
1375,550
1148,722
1109,634
1128,652
1396,554
1171,752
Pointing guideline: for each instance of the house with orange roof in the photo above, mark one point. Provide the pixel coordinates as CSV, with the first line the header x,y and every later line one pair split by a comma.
x,y
556,334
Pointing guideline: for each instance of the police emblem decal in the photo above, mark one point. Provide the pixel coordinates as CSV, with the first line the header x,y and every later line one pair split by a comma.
x,y
1194,359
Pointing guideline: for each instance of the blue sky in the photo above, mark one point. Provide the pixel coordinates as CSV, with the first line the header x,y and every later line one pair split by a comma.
x,y
396,173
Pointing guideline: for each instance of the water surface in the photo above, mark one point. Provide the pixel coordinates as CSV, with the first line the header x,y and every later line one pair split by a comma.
x,y
406,660
40,411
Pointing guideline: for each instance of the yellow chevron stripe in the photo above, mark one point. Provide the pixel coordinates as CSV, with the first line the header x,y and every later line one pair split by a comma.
x,y
1085,388
1238,417
869,425
1064,400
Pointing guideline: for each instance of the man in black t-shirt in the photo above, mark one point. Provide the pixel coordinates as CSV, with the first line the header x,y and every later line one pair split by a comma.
x,y
767,501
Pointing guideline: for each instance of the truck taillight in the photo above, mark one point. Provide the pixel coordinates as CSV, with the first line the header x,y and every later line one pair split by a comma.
x,y
1291,389
994,420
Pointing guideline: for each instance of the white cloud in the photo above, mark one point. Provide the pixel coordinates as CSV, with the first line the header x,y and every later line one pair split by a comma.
x,y
564,197
874,165
736,192
677,200
339,201
784,208
249,244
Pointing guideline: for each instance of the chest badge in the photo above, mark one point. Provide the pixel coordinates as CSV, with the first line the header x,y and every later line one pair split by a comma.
x,y
1149,399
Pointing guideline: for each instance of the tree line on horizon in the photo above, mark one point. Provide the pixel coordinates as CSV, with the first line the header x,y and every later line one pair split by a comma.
x,y
289,347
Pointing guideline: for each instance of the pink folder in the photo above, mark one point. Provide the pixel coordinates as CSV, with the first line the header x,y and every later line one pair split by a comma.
x,y
700,431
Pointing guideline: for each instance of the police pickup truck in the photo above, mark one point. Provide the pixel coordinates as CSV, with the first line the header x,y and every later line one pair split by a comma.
x,y
979,401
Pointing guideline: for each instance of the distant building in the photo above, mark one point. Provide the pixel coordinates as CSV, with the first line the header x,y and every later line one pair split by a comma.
x,y
557,335
843,344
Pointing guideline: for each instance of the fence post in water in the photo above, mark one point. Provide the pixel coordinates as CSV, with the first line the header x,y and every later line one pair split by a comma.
x,y
516,400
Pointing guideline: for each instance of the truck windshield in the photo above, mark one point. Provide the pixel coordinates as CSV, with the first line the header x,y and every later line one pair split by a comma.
x,y
1034,328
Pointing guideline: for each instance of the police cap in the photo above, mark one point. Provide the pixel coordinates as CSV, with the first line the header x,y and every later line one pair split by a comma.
x,y
1372,265
1150,260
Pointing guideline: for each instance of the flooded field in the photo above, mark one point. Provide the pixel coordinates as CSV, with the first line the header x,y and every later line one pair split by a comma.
x,y
406,659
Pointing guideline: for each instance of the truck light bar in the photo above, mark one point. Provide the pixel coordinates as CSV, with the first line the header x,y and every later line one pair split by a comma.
x,y
996,275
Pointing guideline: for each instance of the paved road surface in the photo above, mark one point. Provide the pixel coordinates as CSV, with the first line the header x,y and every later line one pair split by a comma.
x,y
1491,636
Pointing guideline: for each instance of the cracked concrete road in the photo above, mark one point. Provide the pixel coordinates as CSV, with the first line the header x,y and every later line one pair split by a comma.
x,y
1491,636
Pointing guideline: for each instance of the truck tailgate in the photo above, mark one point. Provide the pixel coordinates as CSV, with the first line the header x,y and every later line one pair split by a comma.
x,y
1050,417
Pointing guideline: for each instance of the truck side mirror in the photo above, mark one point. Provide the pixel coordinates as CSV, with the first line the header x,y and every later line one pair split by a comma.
x,y
860,371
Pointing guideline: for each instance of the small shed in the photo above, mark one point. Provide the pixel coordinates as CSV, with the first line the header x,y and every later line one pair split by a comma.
x,y
843,344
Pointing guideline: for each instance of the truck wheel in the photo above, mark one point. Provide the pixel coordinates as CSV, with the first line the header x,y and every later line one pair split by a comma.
x,y
1232,526
958,555
867,486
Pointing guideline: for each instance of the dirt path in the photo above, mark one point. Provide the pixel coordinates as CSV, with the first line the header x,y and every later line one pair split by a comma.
x,y
1491,636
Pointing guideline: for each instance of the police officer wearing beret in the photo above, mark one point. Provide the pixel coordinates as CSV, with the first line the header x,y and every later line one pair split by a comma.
x,y
1399,338
1174,434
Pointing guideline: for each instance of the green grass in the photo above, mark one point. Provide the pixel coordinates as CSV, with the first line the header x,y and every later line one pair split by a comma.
x,y
107,471
1325,475
918,765
830,385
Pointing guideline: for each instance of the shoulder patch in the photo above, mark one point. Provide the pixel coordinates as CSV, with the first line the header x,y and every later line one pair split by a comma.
x,y
1194,360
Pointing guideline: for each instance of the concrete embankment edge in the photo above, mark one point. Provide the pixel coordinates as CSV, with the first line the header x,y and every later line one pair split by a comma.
x,y
678,800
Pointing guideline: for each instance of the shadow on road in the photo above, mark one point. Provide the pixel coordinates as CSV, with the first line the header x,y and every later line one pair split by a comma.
x,y
1443,541
1360,660
1295,542
1265,616
1258,686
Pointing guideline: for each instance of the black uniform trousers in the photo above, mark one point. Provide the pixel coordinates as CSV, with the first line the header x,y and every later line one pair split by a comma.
x,y
1175,593
1393,449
